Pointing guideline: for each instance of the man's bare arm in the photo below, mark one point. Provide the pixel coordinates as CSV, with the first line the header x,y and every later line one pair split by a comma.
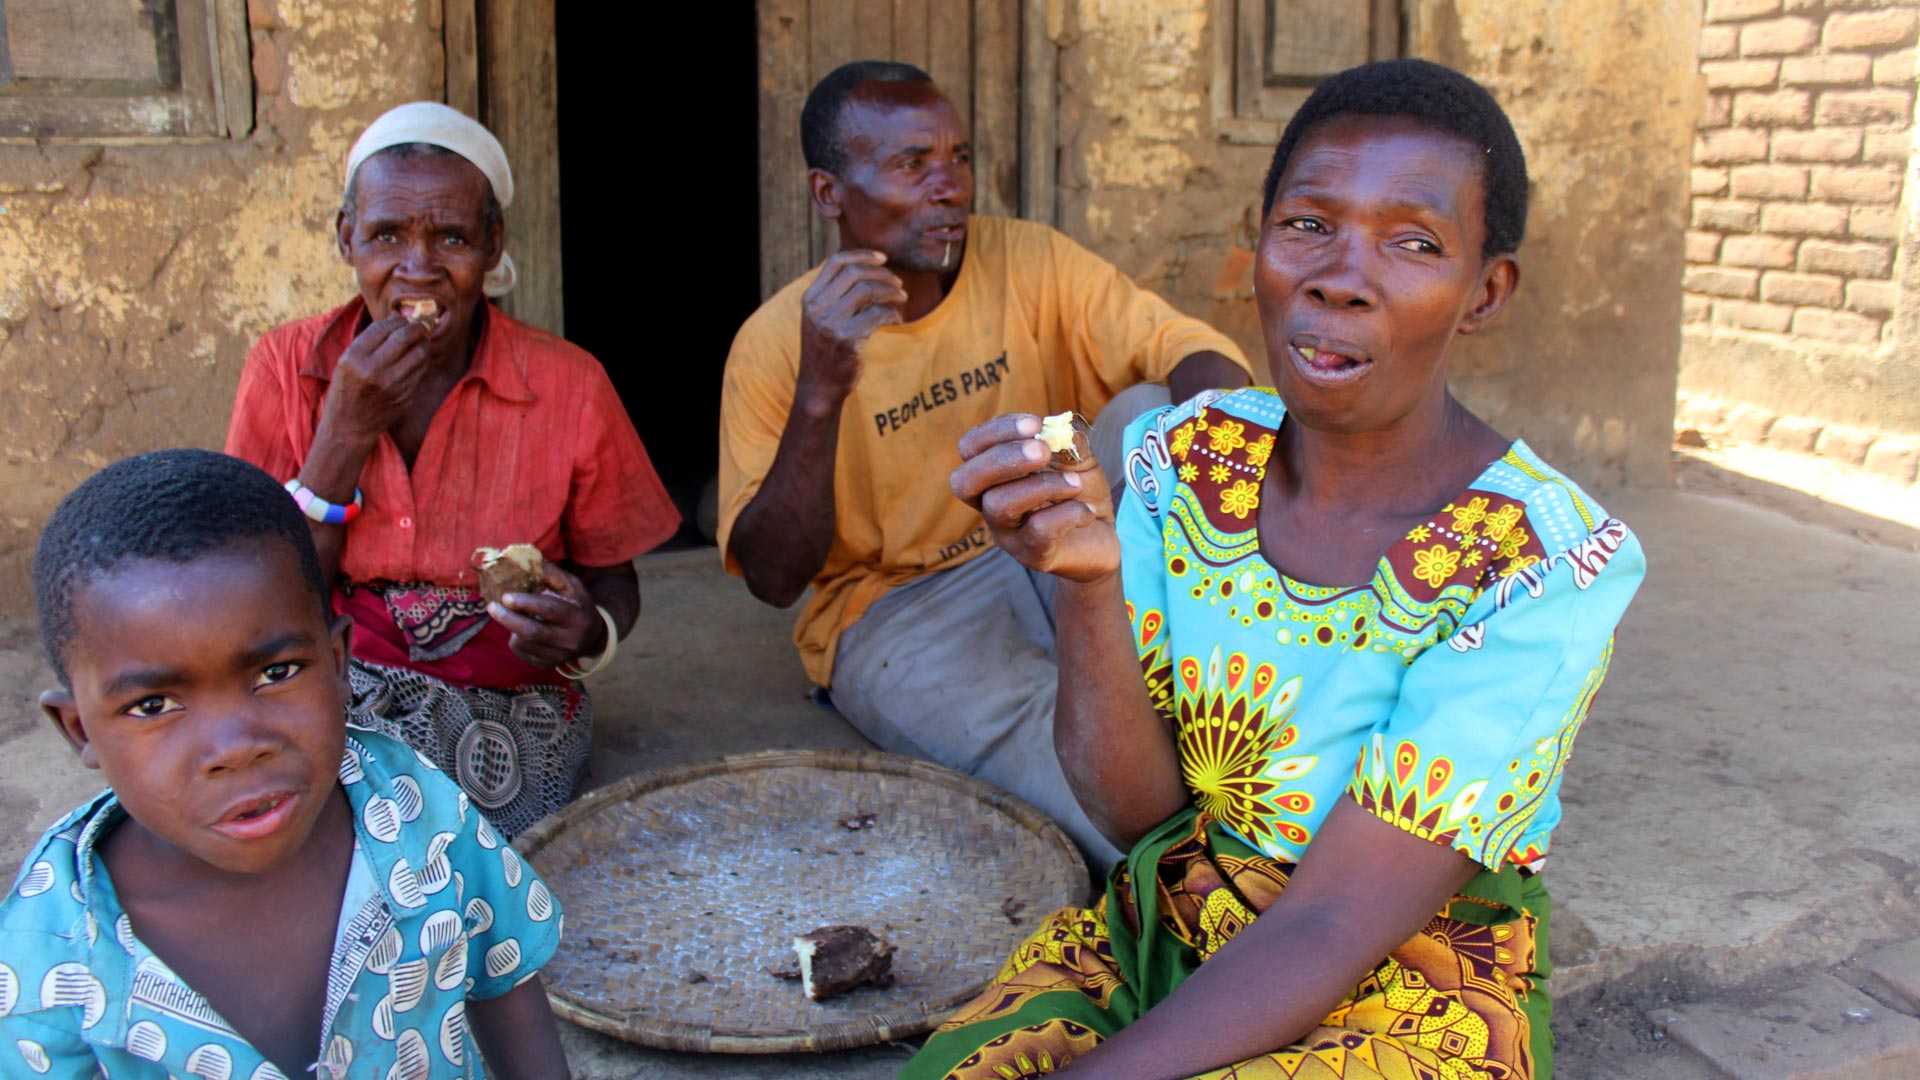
x,y
782,536
1206,370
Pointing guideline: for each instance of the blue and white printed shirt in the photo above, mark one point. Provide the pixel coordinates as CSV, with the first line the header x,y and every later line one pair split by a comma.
x,y
438,910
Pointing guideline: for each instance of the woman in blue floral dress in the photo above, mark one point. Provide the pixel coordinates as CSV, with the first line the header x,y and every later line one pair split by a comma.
x,y
1369,629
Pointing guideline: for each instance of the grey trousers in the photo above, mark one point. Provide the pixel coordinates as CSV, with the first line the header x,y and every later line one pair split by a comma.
x,y
958,667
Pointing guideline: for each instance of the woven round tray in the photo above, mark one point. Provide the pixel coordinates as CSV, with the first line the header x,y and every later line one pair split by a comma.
x,y
684,888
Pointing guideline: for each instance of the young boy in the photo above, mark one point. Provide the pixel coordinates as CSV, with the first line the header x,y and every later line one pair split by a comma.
x,y
262,893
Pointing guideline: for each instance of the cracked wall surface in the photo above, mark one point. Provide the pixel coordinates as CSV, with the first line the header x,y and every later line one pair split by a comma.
x,y
133,278
1582,365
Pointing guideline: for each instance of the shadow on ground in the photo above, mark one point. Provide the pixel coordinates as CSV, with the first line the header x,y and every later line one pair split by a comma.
x,y
1695,474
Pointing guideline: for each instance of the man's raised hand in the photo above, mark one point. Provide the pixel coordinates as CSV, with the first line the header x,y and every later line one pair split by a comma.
x,y
854,295
1056,522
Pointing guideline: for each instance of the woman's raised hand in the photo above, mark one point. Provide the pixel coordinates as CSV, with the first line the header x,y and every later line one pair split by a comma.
x,y
376,377
1053,521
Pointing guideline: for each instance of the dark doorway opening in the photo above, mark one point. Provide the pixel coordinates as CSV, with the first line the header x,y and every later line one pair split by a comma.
x,y
659,218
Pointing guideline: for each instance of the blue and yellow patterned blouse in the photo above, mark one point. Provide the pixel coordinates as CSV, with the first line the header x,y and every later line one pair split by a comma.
x,y
438,911
1443,695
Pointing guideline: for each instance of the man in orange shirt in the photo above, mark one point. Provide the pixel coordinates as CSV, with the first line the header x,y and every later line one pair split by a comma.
x,y
419,423
843,404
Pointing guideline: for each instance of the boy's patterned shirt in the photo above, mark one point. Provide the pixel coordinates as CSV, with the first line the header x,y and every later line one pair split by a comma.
x,y
444,912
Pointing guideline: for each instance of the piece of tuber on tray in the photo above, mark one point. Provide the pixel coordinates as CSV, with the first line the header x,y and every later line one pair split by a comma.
x,y
835,959
515,568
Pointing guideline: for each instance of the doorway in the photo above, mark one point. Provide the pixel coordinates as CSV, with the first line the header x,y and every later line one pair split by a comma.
x,y
659,229
693,188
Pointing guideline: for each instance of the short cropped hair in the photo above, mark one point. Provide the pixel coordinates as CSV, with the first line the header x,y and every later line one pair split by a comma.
x,y
1436,97
820,138
172,506
350,201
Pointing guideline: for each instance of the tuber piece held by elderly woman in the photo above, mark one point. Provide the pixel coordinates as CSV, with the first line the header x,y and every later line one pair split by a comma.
x,y
515,568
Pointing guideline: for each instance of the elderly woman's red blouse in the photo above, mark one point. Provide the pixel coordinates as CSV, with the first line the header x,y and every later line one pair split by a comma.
x,y
532,445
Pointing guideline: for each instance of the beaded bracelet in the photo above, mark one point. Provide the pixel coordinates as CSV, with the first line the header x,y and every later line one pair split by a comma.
x,y
321,510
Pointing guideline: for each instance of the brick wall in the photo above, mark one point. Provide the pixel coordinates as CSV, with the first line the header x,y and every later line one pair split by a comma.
x,y
1798,167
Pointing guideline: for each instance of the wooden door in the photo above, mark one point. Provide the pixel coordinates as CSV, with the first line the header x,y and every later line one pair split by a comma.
x,y
995,59
500,71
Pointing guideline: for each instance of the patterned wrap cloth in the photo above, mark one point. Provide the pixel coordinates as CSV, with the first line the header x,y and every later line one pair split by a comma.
x,y
1469,985
1442,696
431,669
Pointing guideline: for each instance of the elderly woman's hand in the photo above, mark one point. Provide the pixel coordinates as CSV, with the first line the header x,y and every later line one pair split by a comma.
x,y
552,627
1054,521
376,377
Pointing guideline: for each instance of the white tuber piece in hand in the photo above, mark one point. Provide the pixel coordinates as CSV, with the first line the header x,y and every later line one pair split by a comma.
x,y
514,568
1070,440
1057,432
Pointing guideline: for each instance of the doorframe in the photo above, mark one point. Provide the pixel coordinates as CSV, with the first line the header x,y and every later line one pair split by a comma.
x,y
500,70
1040,34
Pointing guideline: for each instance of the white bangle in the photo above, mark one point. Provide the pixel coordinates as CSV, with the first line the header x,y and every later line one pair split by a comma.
x,y
572,669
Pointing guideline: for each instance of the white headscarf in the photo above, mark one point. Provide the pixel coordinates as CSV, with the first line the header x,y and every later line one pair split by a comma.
x,y
439,125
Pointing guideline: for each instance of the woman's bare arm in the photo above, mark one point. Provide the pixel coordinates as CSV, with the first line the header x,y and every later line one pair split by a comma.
x,y
1118,753
371,386
1119,757
1363,888
560,624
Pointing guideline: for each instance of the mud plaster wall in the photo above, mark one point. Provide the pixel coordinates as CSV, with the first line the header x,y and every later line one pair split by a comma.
x,y
133,278
1604,96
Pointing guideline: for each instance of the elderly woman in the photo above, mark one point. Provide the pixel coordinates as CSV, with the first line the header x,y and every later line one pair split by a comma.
x,y
417,424
1369,626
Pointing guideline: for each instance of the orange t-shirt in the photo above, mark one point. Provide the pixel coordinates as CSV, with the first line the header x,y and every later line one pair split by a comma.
x,y
1034,323
531,446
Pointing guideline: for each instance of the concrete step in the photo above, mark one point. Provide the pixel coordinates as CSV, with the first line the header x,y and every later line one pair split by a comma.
x,y
1820,1029
1897,968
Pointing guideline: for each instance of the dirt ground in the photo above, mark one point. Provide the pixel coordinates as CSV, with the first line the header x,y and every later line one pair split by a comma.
x,y
1740,809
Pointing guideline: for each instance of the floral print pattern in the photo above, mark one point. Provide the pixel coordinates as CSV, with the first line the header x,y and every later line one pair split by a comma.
x,y
1226,437
1220,631
1436,564
1241,499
